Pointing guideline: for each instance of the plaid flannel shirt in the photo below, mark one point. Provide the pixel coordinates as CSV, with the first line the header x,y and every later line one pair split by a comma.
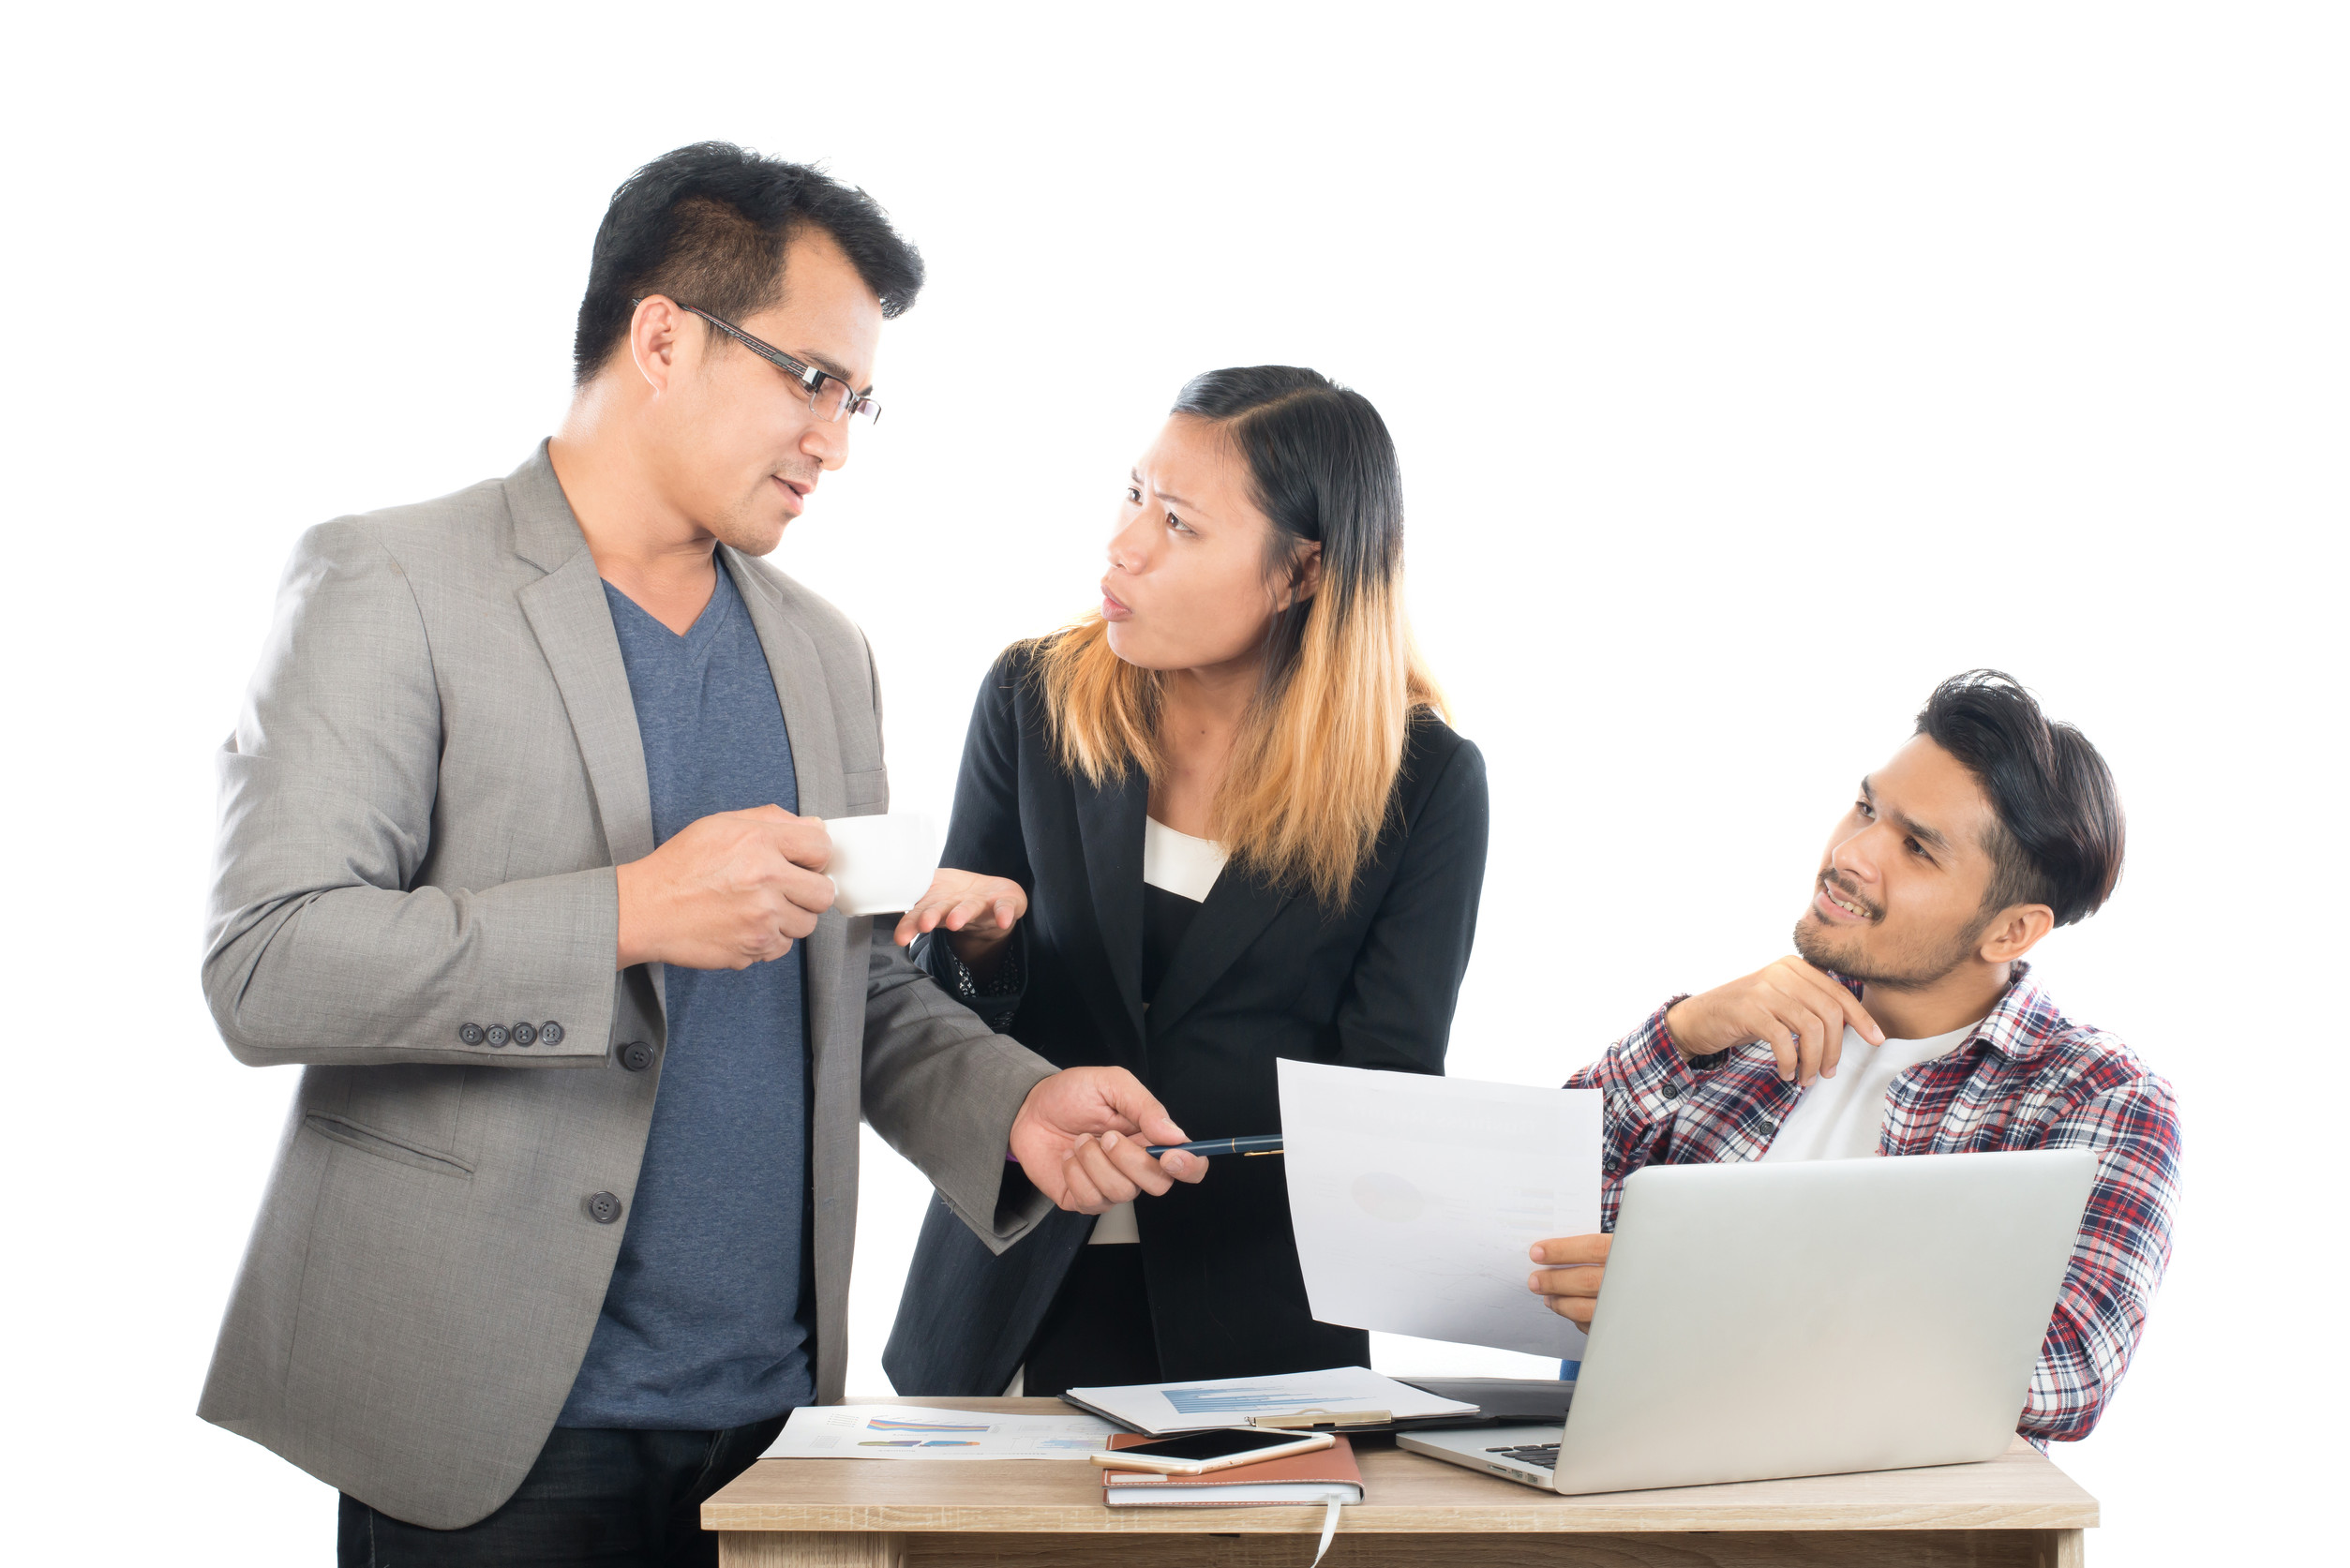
x,y
2027,1078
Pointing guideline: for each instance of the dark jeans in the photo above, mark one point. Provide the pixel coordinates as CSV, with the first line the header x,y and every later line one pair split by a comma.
x,y
1097,1333
595,1496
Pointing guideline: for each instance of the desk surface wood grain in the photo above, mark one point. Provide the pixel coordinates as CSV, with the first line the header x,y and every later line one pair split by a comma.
x,y
1403,1494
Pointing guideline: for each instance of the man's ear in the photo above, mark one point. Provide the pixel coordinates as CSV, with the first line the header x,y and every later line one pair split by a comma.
x,y
2014,932
655,339
1305,576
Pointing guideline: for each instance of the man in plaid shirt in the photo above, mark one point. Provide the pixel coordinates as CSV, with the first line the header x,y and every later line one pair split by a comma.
x,y
1910,1024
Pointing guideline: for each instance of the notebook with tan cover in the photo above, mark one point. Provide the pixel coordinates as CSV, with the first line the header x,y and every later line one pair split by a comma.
x,y
1326,1476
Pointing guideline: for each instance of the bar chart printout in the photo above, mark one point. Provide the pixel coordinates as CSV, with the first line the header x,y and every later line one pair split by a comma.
x,y
918,1432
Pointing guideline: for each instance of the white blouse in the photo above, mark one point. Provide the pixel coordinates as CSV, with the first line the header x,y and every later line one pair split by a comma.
x,y
1179,863
1187,867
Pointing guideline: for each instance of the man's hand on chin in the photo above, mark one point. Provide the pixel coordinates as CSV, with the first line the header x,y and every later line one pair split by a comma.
x,y
1796,1009
1079,1135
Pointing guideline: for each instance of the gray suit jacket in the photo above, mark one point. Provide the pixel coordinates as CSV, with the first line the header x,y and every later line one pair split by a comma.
x,y
436,770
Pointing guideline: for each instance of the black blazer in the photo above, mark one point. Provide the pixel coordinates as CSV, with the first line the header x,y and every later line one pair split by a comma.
x,y
1261,973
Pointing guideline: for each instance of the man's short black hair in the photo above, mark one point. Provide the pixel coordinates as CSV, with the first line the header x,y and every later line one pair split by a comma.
x,y
2058,832
707,225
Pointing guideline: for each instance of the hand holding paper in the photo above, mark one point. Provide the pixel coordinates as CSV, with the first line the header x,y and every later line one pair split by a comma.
x,y
1570,1284
1417,1199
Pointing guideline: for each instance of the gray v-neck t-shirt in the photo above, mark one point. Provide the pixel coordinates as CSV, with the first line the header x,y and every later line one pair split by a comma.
x,y
702,1324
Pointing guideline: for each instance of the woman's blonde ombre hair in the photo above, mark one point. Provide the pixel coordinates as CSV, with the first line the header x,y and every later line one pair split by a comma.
x,y
1313,770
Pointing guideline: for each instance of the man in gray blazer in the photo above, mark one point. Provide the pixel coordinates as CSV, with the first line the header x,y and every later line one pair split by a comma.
x,y
522,859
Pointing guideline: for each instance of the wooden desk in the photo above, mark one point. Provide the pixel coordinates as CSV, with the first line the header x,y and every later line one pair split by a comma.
x,y
2019,1511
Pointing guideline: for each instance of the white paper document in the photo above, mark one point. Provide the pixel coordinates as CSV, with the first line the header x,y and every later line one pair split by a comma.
x,y
920,1432
1415,1200
1213,1402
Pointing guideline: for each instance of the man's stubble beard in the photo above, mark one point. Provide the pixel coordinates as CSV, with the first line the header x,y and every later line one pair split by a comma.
x,y
1821,954
745,527
743,532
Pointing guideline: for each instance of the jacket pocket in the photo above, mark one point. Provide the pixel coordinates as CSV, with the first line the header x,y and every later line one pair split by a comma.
x,y
865,790
367,1140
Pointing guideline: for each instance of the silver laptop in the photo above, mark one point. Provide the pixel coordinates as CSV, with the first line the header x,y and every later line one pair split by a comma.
x,y
1766,1320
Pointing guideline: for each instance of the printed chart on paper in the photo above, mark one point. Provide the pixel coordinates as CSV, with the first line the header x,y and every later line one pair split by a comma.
x,y
918,1432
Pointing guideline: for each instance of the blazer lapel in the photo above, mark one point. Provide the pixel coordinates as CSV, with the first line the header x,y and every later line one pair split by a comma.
x,y
798,673
815,765
1110,823
1237,910
573,622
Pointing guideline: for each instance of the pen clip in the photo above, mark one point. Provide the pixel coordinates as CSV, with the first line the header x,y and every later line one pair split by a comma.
x,y
1314,1415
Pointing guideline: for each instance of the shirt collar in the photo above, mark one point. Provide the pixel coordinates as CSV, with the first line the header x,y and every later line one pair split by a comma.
x,y
2024,1019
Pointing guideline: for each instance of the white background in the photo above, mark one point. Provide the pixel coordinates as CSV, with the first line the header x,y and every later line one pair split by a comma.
x,y
1753,367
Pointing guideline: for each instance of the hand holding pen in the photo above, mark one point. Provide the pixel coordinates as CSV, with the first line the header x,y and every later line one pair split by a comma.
x,y
1256,1143
1079,1137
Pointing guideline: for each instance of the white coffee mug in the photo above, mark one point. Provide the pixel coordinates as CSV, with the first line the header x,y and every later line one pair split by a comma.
x,y
882,864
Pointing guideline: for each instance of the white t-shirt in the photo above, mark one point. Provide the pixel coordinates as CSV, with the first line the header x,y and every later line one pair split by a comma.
x,y
1844,1117
1188,868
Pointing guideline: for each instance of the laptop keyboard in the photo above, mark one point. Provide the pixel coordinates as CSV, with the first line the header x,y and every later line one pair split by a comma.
x,y
1542,1455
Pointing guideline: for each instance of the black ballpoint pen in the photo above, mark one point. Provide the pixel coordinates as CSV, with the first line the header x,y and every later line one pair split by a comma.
x,y
1262,1144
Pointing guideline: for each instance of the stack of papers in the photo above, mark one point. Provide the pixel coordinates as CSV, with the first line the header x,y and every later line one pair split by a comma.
x,y
923,1432
1211,1403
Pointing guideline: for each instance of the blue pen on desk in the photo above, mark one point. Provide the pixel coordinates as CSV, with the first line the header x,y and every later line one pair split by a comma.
x,y
1262,1144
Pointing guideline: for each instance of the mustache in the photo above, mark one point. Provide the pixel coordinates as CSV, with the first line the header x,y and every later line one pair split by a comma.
x,y
1851,895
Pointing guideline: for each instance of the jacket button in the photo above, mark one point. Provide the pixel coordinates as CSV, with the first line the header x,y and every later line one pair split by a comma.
x,y
1672,1091
496,1036
1766,1126
551,1033
524,1034
636,1056
604,1208
469,1033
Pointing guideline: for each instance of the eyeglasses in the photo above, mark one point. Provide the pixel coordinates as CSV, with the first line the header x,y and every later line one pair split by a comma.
x,y
829,398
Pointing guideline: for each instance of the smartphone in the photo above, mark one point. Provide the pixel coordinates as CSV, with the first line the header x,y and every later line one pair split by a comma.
x,y
1196,1453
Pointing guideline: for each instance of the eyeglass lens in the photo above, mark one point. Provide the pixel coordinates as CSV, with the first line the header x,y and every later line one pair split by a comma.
x,y
830,399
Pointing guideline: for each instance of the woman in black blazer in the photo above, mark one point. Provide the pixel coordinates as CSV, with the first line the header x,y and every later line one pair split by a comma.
x,y
1217,823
